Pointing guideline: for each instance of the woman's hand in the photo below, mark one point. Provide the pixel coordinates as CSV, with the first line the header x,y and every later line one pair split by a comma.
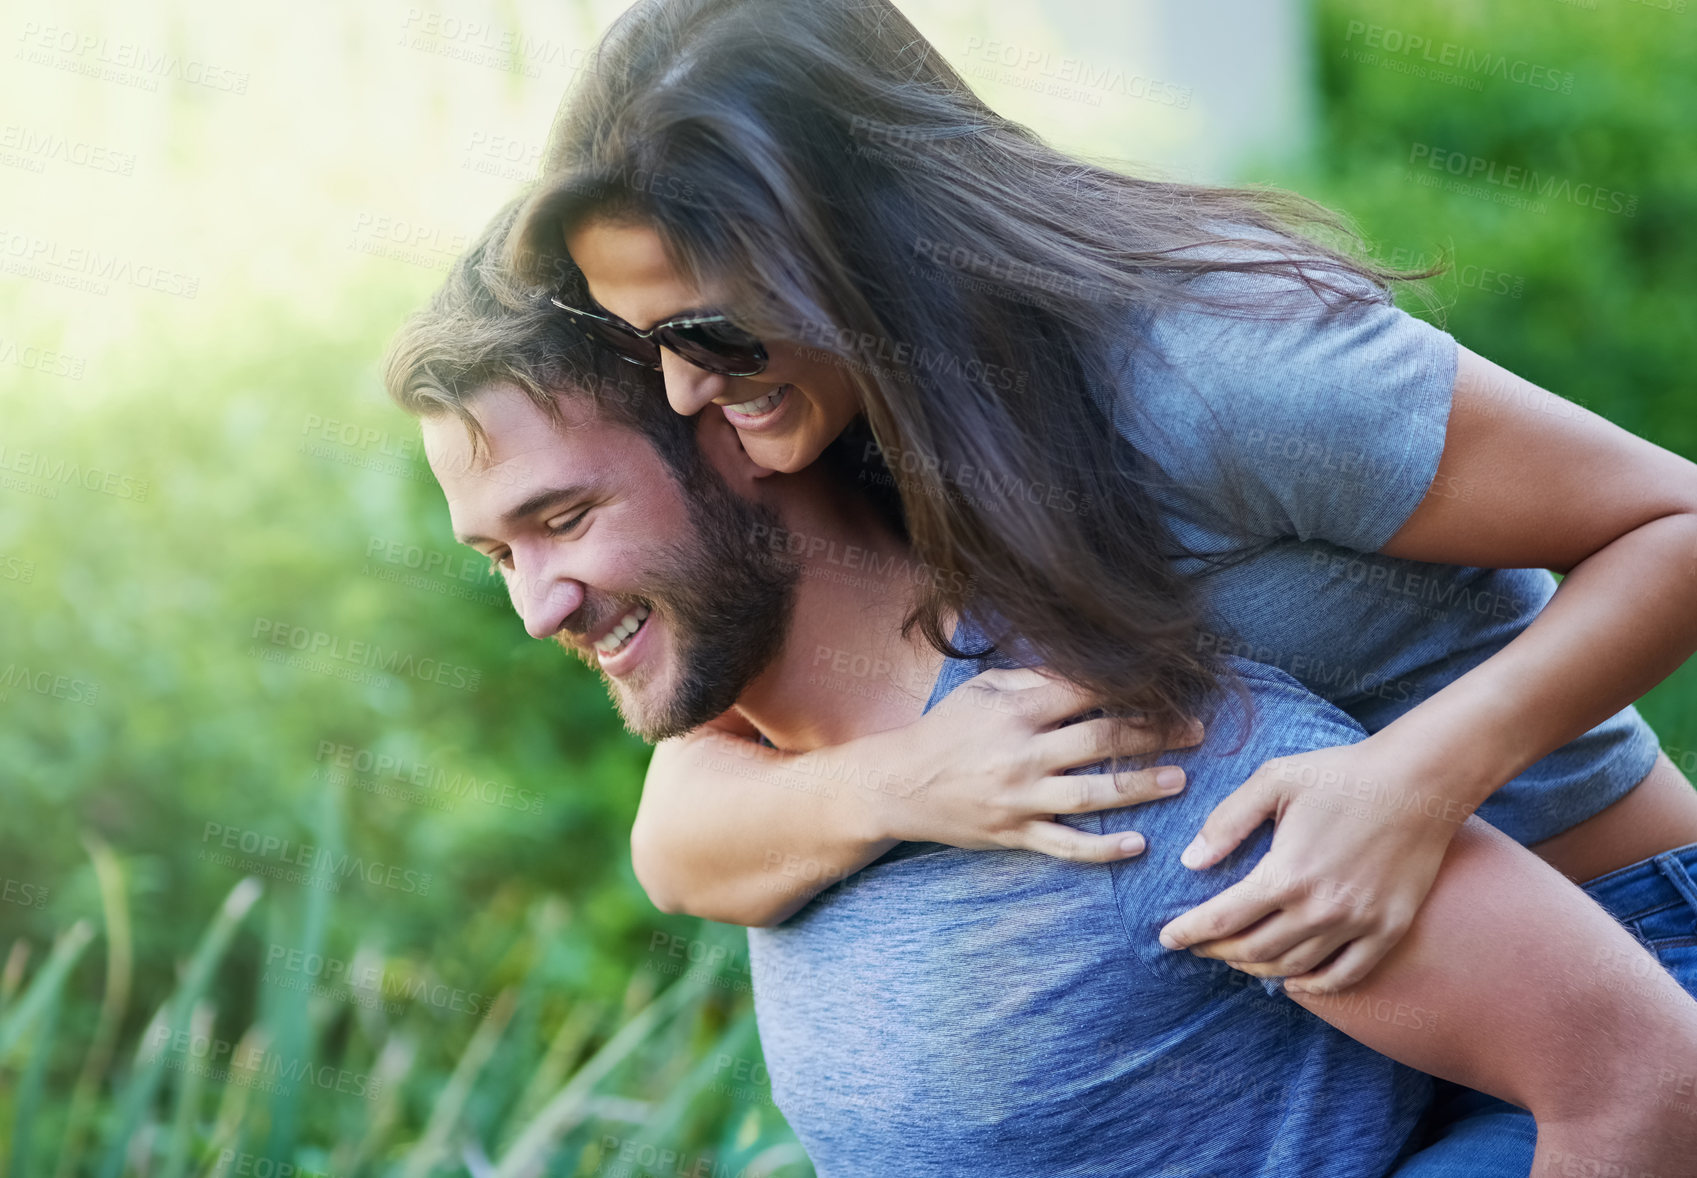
x,y
987,768
734,831
1356,846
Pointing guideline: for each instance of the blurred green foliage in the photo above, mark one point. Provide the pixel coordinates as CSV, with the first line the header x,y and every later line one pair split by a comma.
x,y
489,846
251,483
1593,304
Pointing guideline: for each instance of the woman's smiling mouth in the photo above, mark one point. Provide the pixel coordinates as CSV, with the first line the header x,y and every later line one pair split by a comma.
x,y
757,410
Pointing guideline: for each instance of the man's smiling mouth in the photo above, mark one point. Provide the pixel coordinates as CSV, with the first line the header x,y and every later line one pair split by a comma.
x,y
615,639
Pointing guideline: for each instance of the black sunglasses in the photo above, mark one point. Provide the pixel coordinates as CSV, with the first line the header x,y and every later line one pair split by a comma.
x,y
710,341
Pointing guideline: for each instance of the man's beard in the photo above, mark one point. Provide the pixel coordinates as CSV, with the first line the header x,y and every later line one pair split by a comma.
x,y
726,599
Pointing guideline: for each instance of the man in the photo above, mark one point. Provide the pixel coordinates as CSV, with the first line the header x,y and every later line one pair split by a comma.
x,y
951,1012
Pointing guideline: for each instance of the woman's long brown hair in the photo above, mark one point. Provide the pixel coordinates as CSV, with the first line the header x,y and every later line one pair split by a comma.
x,y
819,168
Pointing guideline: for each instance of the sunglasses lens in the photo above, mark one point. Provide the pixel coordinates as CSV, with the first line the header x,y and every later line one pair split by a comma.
x,y
717,346
629,347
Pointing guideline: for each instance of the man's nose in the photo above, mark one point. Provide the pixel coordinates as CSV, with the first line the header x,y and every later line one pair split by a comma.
x,y
688,389
545,602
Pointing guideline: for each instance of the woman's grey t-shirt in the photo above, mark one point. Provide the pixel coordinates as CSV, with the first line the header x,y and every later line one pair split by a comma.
x,y
1288,445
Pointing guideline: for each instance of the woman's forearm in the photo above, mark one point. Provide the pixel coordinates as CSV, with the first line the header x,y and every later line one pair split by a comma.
x,y
1622,620
1528,480
1514,982
733,831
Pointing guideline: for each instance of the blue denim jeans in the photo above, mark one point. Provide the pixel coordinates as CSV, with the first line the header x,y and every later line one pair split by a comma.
x,y
1470,1135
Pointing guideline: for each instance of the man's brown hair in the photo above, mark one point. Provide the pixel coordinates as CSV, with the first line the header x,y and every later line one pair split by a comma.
x,y
487,326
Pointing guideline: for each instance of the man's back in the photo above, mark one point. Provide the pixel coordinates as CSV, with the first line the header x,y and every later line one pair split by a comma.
x,y
1003,1013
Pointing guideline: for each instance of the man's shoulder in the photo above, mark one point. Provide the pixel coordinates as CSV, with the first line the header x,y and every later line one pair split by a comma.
x,y
1257,713
1266,714
1256,708
1281,711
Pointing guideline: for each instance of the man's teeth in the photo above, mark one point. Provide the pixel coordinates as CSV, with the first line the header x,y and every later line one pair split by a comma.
x,y
760,404
620,634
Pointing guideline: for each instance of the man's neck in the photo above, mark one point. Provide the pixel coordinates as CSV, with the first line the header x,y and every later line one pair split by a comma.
x,y
845,669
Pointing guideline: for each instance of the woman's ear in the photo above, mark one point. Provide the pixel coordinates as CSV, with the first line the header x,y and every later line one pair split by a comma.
x,y
722,448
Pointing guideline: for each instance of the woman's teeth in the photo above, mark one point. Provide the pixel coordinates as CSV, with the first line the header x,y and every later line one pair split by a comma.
x,y
760,405
616,638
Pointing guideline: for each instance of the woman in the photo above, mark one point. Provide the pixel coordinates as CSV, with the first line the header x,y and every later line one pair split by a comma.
x,y
1209,431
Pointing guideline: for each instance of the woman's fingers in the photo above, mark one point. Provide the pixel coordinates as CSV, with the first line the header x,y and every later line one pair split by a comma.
x,y
1298,961
1086,793
998,689
1060,841
1045,701
1226,914
1039,699
1055,700
1092,741
1237,816
1349,967
1276,948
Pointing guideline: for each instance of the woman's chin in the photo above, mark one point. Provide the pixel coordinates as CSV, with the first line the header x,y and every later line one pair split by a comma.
x,y
782,454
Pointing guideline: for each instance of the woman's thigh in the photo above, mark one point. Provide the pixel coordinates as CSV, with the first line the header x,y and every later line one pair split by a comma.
x,y
1469,1133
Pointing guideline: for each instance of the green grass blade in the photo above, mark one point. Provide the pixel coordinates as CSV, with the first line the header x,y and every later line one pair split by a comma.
x,y
120,968
568,1107
574,1031
13,975
29,1088
291,1027
445,1116
232,1110
45,986
662,1124
150,1052
188,1101
778,1157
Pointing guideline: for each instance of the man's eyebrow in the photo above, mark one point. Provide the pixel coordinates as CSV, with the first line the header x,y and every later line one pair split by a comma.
x,y
541,501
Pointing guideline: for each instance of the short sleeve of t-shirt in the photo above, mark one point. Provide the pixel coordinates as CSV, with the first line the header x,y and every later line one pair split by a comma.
x,y
1290,415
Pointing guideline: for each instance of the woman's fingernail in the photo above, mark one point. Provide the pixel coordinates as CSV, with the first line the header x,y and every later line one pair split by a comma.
x,y
1132,844
1170,779
1192,856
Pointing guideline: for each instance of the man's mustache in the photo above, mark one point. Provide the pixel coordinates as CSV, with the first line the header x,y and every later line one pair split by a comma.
x,y
592,617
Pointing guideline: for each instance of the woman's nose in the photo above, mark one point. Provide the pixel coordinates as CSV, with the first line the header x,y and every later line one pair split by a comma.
x,y
689,389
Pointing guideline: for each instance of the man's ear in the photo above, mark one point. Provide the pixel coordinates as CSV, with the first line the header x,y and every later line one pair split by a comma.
x,y
721,447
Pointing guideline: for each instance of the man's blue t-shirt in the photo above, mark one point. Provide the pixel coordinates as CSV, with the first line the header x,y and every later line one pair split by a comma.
x,y
1002,1014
